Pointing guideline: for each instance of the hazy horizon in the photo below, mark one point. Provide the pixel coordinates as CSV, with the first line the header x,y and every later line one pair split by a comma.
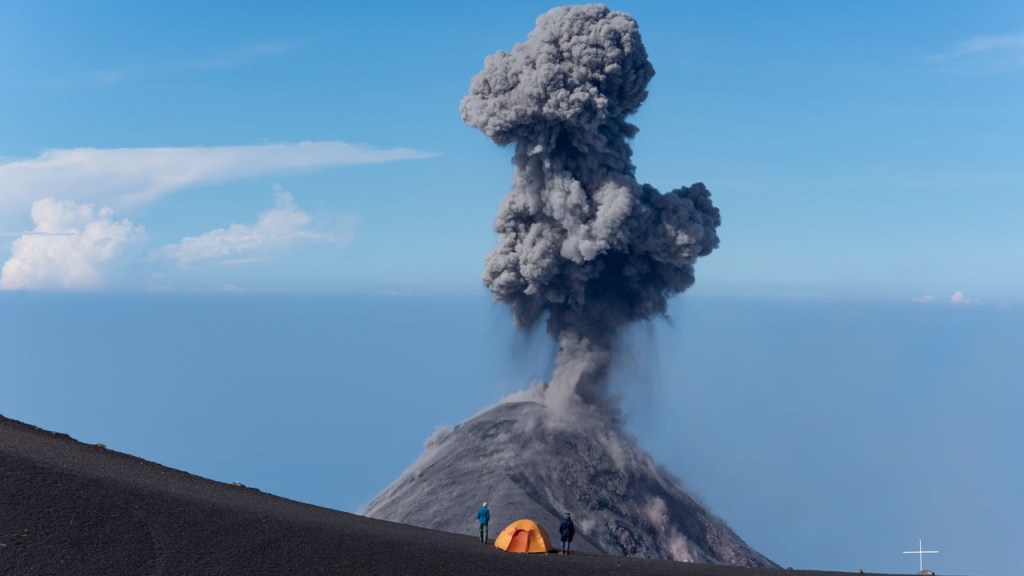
x,y
857,426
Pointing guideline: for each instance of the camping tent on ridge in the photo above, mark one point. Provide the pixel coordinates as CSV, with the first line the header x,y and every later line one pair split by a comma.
x,y
524,536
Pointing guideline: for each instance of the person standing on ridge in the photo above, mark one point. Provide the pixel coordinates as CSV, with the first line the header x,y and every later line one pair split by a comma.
x,y
484,516
567,530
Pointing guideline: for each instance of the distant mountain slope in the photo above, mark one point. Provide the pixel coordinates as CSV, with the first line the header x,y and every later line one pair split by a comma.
x,y
527,465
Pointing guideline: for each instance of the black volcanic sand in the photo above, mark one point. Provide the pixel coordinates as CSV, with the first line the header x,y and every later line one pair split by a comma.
x,y
73,508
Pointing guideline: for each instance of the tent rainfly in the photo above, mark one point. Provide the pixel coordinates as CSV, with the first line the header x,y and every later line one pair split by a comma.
x,y
524,536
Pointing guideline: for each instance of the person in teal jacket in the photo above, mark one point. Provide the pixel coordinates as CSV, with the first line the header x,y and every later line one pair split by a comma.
x,y
484,516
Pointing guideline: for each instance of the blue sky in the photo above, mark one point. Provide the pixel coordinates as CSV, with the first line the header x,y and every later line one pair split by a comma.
x,y
225,193
860,150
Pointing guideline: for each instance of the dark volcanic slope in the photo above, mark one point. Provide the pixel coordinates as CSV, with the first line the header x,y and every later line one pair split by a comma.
x,y
531,462
72,508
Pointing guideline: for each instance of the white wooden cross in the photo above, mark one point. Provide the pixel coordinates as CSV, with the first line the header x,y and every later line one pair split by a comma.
x,y
920,553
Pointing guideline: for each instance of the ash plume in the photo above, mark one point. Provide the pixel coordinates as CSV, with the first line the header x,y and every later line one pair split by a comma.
x,y
580,241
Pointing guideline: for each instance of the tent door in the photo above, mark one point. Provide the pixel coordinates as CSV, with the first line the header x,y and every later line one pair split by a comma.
x,y
520,541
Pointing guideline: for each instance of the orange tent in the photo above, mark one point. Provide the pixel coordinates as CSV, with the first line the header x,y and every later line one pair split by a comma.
x,y
524,536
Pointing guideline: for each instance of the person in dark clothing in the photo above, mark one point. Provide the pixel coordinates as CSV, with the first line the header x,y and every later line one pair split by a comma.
x,y
566,529
484,516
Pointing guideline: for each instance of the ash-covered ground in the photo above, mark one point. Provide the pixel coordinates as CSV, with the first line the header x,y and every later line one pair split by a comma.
x,y
77,509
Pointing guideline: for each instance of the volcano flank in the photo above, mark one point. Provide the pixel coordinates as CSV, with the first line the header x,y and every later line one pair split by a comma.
x,y
528,461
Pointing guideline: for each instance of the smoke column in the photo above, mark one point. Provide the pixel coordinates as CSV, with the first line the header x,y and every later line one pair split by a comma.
x,y
580,241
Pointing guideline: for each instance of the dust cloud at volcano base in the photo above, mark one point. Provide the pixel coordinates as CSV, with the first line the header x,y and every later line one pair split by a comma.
x,y
586,249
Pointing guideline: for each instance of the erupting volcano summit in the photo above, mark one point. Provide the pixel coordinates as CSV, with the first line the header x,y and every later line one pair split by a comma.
x,y
585,247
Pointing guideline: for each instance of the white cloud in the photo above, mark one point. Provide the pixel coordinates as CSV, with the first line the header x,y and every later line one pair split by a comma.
x,y
107,77
992,54
959,297
69,249
245,55
125,177
282,225
986,44
240,261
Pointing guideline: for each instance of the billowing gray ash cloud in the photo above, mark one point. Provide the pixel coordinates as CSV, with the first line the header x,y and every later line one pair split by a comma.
x,y
580,241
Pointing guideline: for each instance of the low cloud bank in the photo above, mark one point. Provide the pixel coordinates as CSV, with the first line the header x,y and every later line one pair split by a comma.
x,y
70,247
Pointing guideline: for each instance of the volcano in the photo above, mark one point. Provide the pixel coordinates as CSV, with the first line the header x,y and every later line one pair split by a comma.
x,y
529,461
585,248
